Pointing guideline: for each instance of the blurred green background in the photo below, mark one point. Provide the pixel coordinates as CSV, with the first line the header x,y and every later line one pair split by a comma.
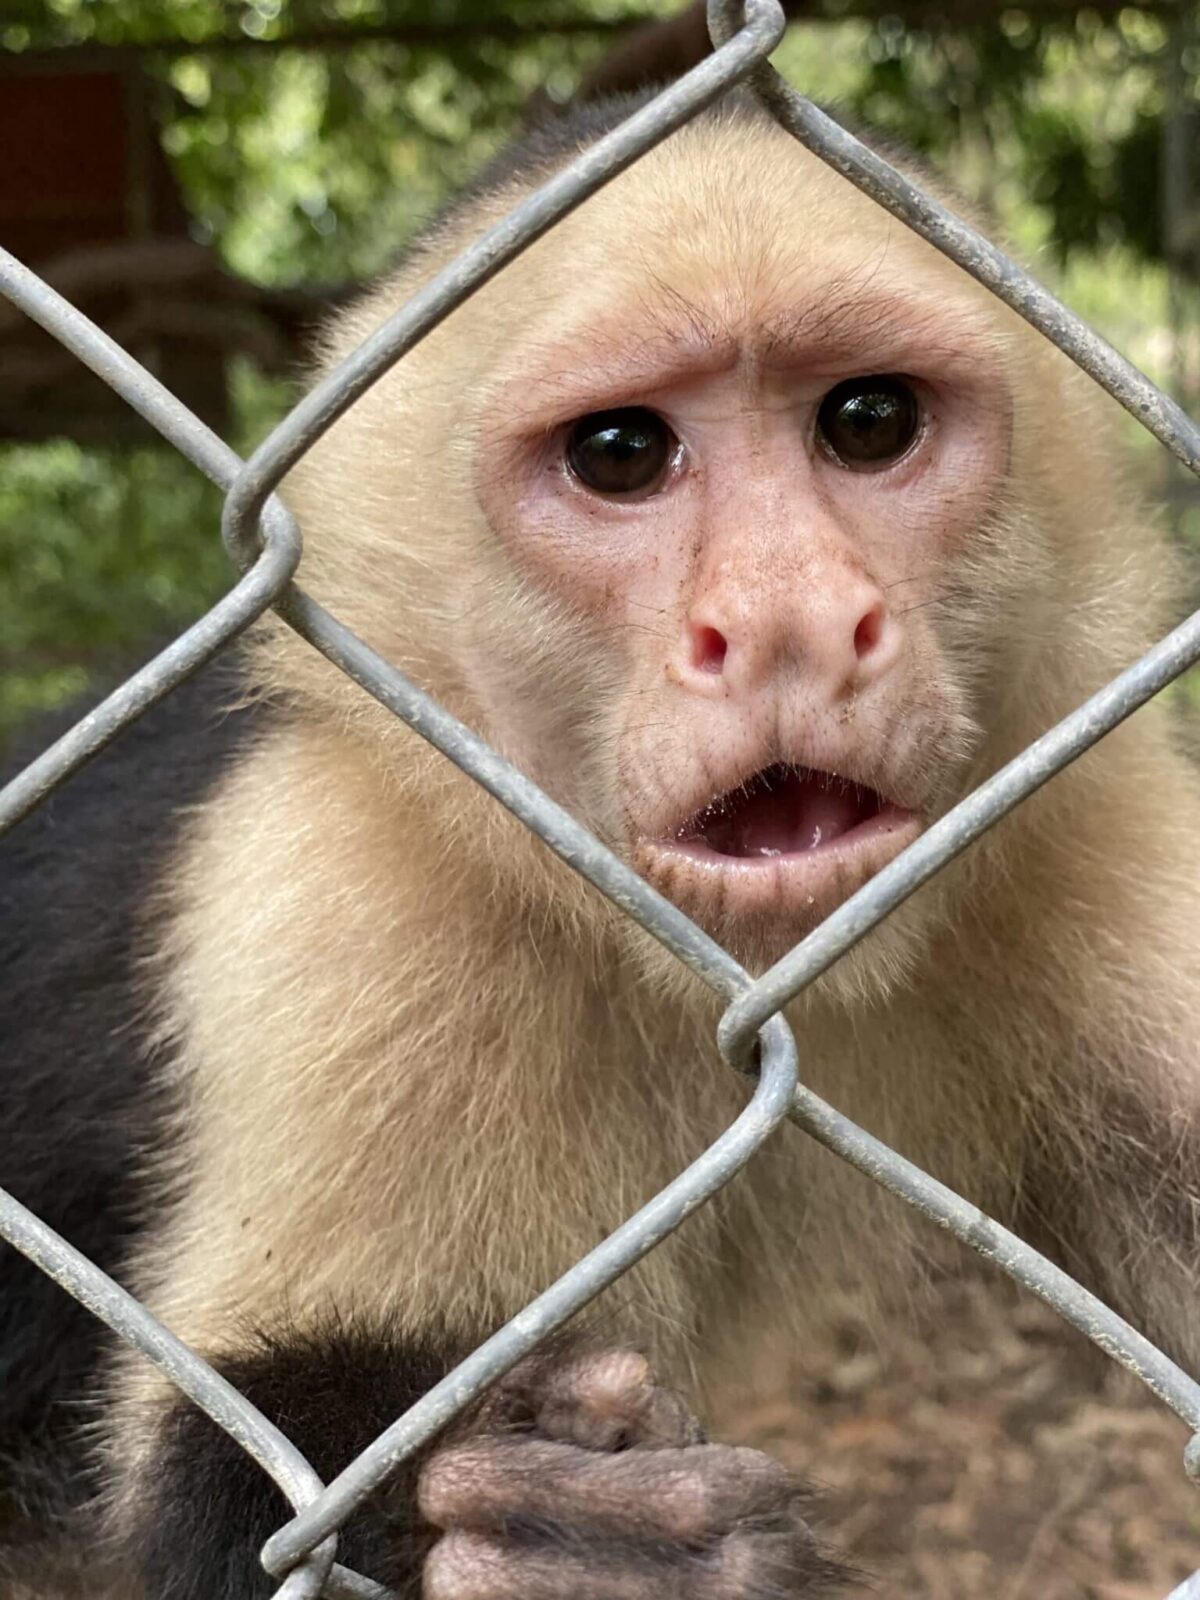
x,y
303,140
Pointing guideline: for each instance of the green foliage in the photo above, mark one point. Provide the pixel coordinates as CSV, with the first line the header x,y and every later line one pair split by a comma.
x,y
313,168
99,552
312,165
1072,110
104,552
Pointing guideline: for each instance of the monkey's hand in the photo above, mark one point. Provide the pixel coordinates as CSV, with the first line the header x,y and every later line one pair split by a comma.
x,y
585,1480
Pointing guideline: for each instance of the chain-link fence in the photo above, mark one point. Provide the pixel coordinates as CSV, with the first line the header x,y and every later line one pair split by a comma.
x,y
265,542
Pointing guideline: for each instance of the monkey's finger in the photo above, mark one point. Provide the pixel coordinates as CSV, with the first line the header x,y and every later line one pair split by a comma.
x,y
610,1399
467,1566
602,1400
489,1484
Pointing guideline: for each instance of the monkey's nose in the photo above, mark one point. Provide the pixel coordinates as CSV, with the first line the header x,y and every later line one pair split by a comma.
x,y
841,642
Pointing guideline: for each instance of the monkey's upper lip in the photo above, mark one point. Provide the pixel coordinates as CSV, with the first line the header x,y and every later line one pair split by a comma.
x,y
783,810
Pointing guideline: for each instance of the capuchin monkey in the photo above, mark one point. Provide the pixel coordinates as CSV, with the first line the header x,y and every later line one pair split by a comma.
x,y
758,534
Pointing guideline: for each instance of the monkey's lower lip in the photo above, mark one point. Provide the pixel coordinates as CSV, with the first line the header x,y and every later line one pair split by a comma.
x,y
783,811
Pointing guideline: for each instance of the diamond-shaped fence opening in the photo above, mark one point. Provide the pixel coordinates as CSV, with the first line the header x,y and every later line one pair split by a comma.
x,y
265,542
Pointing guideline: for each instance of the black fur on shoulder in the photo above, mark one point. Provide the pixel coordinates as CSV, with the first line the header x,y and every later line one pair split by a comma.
x,y
332,1390
82,1101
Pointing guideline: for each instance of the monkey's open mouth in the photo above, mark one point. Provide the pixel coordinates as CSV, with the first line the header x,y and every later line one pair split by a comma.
x,y
783,811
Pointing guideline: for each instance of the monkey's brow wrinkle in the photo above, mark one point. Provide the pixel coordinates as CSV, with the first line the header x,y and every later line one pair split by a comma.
x,y
587,369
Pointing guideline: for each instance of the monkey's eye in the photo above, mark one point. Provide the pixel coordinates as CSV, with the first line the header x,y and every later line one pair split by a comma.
x,y
625,452
867,422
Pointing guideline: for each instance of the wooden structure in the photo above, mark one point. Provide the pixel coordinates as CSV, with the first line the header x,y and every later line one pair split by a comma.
x,y
88,200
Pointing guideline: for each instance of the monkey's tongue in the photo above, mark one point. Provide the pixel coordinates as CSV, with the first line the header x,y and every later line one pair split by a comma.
x,y
781,811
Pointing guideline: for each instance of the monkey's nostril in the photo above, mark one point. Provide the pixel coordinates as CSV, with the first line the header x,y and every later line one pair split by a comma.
x,y
708,649
869,632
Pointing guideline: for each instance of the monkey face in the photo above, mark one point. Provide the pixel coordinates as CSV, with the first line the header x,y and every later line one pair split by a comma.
x,y
755,487
722,506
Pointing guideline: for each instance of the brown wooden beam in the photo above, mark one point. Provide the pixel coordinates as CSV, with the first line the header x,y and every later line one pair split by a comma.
x,y
86,57
938,15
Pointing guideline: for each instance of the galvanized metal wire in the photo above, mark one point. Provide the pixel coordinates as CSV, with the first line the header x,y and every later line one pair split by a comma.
x,y
265,543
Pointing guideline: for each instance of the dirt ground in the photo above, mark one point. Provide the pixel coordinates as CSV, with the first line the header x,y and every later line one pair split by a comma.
x,y
991,1456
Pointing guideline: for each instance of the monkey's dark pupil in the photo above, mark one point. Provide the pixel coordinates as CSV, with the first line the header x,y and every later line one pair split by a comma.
x,y
619,452
865,421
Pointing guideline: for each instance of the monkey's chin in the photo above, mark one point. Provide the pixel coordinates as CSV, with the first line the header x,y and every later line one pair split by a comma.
x,y
762,905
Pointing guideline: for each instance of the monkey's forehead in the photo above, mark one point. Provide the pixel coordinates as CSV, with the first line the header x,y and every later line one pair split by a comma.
x,y
729,243
728,240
